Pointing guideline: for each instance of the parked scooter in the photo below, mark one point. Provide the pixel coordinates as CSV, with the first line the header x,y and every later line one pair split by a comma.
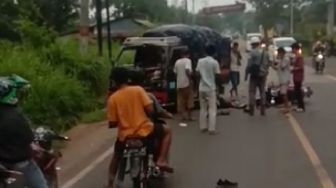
x,y
273,95
48,157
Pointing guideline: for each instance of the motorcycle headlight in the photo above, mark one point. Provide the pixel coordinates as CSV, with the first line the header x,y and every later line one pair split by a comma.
x,y
300,51
272,101
275,53
320,56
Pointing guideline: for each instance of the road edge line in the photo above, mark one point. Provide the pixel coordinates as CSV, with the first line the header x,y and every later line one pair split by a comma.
x,y
320,170
333,78
89,168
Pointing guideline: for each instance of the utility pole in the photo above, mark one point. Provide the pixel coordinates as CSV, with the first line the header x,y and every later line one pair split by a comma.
x,y
109,41
292,18
186,11
193,12
331,17
84,26
99,27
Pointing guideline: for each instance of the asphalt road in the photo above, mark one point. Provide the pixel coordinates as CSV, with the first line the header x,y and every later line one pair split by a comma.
x,y
276,151
330,65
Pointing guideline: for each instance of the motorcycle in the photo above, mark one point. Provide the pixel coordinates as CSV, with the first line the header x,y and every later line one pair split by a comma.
x,y
138,160
273,94
7,176
319,62
48,157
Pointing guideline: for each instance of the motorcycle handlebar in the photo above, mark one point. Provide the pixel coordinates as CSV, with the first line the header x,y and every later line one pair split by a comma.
x,y
62,138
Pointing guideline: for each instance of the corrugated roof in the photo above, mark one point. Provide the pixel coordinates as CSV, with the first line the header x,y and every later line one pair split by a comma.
x,y
146,23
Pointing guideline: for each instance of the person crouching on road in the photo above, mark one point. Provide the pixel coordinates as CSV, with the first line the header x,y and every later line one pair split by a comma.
x,y
208,70
298,76
282,66
185,98
257,71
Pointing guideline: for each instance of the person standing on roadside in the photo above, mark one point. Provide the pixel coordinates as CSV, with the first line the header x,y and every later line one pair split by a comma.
x,y
282,66
185,98
298,76
208,70
257,71
235,71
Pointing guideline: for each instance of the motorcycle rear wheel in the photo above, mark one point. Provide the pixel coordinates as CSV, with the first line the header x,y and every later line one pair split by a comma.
x,y
138,183
52,181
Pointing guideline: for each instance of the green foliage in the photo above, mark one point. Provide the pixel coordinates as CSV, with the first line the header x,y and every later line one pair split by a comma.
x,y
127,57
58,15
85,67
55,98
94,116
64,84
8,14
152,9
35,36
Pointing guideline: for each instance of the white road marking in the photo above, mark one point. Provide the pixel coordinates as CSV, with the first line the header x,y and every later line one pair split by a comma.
x,y
88,169
331,77
320,170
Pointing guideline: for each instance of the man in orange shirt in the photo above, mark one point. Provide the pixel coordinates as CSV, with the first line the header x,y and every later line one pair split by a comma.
x,y
127,110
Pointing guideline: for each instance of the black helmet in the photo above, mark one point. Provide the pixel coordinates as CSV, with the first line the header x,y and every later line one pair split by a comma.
x,y
137,77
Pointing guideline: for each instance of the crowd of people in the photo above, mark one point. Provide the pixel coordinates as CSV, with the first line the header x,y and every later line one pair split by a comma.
x,y
289,68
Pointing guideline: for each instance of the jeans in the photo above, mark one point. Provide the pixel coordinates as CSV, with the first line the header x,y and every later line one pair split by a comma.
x,y
299,94
32,174
208,110
254,84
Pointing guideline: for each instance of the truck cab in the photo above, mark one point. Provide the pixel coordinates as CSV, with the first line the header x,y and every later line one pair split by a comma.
x,y
155,56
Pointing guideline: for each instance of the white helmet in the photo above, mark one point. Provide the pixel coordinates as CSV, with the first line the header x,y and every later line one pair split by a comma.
x,y
255,40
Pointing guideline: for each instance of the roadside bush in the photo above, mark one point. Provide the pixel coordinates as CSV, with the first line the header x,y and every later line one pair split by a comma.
x,y
55,99
91,73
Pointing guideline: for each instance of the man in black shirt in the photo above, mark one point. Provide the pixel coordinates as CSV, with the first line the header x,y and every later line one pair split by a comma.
x,y
16,137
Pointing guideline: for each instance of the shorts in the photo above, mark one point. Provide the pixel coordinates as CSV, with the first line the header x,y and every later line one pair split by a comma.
x,y
157,133
283,89
235,78
185,99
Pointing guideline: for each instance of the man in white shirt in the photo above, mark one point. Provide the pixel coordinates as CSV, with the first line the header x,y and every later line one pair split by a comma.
x,y
185,98
208,69
235,71
282,66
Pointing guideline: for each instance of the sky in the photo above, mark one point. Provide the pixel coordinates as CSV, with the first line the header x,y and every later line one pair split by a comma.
x,y
199,4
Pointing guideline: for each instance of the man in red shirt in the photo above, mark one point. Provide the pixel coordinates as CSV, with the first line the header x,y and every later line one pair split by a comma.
x,y
298,76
